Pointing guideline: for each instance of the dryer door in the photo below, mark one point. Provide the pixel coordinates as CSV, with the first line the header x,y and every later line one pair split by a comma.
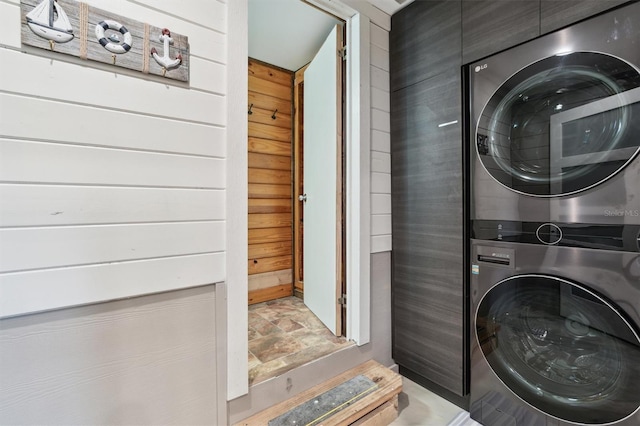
x,y
562,124
561,348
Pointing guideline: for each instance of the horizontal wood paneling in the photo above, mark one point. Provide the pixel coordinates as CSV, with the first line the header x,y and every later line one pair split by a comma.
x,y
380,141
270,74
380,204
269,103
380,37
270,173
270,220
268,264
41,290
214,11
30,75
269,279
269,88
269,191
380,57
263,205
270,293
381,223
39,119
148,360
381,243
266,176
380,168
380,99
35,205
259,251
10,21
380,183
38,162
380,162
379,78
380,120
264,161
38,248
269,146
266,116
269,235
265,131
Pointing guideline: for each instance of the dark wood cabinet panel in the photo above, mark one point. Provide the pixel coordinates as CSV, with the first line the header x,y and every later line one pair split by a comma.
x,y
489,26
425,41
555,14
427,214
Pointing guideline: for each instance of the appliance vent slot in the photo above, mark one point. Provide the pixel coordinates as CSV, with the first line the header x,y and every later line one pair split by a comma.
x,y
492,259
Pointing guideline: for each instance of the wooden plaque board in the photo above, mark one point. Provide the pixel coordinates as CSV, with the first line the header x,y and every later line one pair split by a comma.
x,y
85,43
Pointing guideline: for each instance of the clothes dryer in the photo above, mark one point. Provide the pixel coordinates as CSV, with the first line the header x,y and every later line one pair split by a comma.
x,y
555,335
555,126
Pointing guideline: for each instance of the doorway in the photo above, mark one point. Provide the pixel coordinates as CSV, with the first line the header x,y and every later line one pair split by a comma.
x,y
276,214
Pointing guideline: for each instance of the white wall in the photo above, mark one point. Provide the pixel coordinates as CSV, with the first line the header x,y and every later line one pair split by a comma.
x,y
380,141
112,183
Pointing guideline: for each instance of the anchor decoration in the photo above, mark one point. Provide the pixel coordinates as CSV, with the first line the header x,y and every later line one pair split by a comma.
x,y
166,61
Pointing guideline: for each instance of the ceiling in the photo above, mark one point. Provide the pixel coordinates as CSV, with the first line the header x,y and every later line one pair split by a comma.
x,y
288,33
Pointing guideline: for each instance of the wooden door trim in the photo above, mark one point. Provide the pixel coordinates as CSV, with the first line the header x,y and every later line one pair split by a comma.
x,y
298,90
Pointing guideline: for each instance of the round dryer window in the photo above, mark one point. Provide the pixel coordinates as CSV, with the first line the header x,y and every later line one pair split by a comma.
x,y
561,125
561,348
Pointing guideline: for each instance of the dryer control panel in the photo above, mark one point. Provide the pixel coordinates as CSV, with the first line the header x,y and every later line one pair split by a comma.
x,y
585,235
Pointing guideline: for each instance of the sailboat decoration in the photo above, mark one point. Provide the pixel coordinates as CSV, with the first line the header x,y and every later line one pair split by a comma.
x,y
42,21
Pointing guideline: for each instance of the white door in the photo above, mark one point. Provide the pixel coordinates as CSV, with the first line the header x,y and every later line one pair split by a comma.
x,y
322,246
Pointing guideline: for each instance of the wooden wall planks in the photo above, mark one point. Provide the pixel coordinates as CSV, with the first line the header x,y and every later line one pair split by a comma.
x,y
380,140
108,176
270,182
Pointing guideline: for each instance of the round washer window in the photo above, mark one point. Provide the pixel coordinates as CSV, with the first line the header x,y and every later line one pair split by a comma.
x,y
562,124
561,348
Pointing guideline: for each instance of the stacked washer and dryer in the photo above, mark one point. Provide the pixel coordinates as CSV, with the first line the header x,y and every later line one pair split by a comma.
x,y
555,228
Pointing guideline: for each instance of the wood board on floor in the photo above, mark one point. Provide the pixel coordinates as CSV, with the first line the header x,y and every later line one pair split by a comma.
x,y
389,386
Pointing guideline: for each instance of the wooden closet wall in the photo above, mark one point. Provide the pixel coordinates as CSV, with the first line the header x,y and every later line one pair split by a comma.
x,y
270,182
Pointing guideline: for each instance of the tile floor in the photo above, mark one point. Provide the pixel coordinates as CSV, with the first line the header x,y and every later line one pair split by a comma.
x,y
418,406
285,334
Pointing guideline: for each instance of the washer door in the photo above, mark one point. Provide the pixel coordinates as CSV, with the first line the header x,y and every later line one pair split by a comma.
x,y
561,348
561,125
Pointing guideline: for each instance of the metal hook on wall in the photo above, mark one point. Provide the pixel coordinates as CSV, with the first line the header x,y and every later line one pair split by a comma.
x,y
250,112
274,114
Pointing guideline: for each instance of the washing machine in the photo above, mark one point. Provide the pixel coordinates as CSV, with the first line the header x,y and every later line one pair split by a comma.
x,y
554,126
555,333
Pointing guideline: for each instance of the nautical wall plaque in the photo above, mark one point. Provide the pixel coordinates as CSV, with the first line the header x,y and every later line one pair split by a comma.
x,y
77,29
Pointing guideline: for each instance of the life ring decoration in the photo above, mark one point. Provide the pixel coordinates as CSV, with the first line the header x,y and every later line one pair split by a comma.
x,y
108,43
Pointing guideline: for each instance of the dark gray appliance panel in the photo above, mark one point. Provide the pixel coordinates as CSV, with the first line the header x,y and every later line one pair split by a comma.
x,y
556,14
489,26
425,41
428,290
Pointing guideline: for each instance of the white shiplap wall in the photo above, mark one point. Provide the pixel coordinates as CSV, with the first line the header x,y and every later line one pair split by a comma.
x,y
112,183
380,141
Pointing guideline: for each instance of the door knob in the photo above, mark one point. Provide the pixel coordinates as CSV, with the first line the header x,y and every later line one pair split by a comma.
x,y
302,197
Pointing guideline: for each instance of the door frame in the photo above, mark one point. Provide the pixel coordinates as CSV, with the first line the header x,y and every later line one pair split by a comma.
x,y
358,185
298,80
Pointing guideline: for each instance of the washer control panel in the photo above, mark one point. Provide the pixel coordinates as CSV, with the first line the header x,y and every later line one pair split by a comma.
x,y
586,235
549,233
